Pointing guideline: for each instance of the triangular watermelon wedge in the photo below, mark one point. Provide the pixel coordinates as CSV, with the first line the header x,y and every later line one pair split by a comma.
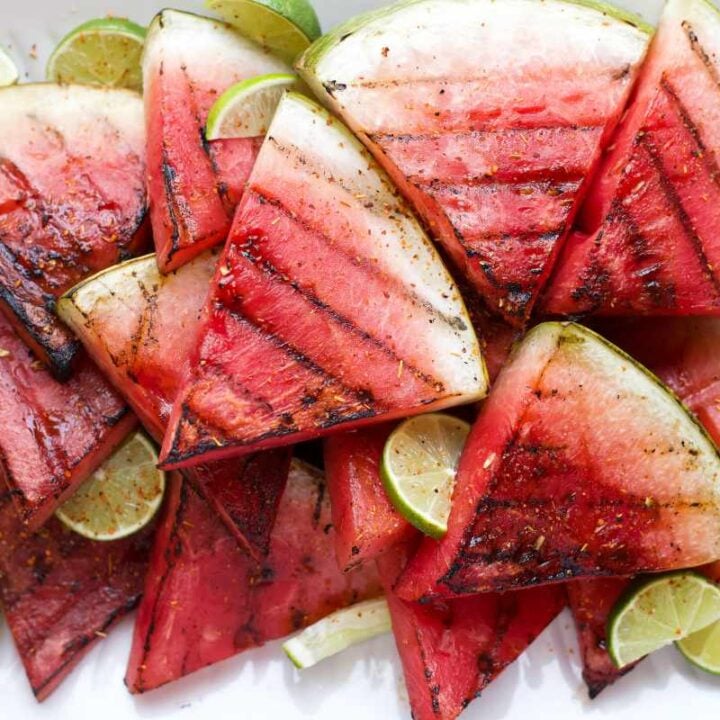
x,y
451,651
489,116
194,185
647,242
365,520
72,201
581,464
205,600
140,327
61,593
330,308
52,435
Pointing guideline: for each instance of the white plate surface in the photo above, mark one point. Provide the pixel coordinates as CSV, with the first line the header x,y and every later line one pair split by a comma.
x,y
365,682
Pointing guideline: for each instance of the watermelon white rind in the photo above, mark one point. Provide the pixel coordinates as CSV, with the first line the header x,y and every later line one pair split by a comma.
x,y
330,284
581,464
490,136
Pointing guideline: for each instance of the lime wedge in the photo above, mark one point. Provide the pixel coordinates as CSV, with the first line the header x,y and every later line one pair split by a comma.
x,y
702,648
285,27
105,52
8,71
339,631
121,496
418,469
247,108
658,612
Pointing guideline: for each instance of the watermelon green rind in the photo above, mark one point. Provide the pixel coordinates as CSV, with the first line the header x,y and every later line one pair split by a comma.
x,y
308,62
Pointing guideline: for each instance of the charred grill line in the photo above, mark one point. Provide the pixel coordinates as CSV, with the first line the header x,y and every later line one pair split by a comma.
x,y
169,173
271,271
700,51
687,224
454,322
561,177
708,156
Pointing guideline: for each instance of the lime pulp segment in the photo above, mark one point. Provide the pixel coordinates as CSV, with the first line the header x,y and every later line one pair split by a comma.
x,y
419,466
8,71
660,611
702,648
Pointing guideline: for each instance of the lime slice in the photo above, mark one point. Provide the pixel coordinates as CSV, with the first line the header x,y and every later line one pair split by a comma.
x,y
121,496
659,611
247,108
8,71
339,631
286,27
105,52
702,648
418,470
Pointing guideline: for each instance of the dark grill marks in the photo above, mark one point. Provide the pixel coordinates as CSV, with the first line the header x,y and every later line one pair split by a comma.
x,y
263,196
174,212
683,217
698,49
708,156
253,254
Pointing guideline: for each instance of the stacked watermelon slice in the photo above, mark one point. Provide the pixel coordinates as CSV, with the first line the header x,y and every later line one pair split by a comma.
x,y
428,246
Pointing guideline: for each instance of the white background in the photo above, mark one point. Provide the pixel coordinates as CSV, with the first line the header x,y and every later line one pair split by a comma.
x,y
365,682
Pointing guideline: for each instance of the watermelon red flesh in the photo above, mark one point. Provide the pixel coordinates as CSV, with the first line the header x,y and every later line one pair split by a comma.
x,y
647,242
140,327
683,353
289,354
591,602
492,138
452,651
72,201
548,490
366,522
194,185
53,435
206,600
61,593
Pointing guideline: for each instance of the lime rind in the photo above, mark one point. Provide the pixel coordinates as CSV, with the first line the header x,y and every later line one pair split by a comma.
x,y
419,466
103,51
285,27
8,70
339,631
121,497
246,109
658,611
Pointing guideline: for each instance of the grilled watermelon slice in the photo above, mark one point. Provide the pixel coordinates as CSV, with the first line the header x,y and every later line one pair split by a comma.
x,y
53,435
591,602
683,353
330,308
489,116
205,600
550,490
647,243
194,185
140,327
451,651
72,201
61,593
366,522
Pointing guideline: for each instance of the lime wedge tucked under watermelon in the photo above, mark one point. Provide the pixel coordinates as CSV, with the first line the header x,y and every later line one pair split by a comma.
x,y
647,242
330,307
140,327
72,201
206,600
61,593
489,116
453,650
365,520
194,185
581,464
